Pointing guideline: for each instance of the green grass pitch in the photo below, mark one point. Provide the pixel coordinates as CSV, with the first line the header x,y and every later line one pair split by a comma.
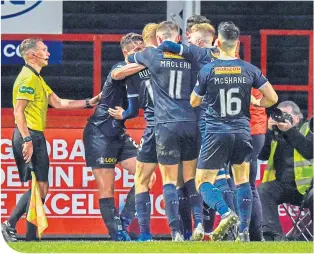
x,y
161,247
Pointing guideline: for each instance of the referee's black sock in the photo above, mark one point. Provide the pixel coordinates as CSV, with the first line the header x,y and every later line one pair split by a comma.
x,y
31,229
110,216
20,209
128,212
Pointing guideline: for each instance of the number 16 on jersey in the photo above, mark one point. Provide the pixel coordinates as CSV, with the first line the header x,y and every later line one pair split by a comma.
x,y
230,103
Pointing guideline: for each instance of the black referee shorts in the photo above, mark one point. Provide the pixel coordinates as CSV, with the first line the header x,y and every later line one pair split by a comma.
x,y
40,159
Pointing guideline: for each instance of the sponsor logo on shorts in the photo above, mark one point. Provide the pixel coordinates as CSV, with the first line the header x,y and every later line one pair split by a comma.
x,y
228,70
26,89
103,160
171,55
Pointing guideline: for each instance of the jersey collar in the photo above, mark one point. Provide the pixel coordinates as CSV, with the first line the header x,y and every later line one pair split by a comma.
x,y
32,69
227,58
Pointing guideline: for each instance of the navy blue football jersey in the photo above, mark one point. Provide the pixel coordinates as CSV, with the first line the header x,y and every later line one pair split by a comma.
x,y
198,57
114,93
145,92
227,84
172,85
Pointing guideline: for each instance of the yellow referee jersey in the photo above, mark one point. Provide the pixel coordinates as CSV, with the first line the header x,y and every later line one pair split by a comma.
x,y
30,86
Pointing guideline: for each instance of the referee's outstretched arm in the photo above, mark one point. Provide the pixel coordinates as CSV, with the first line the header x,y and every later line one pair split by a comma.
x,y
56,102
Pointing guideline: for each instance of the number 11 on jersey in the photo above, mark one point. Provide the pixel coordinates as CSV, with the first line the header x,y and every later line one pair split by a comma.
x,y
175,83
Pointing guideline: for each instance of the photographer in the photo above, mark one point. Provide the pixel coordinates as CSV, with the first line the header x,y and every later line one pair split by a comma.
x,y
284,181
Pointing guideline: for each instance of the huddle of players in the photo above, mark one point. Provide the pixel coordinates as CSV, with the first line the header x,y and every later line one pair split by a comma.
x,y
196,102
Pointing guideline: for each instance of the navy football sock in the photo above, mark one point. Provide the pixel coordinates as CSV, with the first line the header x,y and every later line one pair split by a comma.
x,y
244,200
143,209
20,209
128,211
213,198
184,210
172,207
226,191
209,218
196,202
234,189
110,216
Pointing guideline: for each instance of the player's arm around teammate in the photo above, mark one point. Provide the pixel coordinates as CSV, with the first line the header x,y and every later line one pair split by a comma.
x,y
107,144
146,161
144,170
171,108
126,70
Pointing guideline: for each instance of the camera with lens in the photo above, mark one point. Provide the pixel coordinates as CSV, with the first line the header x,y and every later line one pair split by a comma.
x,y
280,117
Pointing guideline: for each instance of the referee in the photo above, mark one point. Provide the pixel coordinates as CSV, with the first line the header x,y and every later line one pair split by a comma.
x,y
31,96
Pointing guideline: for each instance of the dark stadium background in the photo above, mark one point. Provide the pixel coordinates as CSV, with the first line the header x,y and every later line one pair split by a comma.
x,y
287,62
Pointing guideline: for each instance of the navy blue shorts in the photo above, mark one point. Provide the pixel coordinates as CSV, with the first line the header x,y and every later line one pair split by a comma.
x,y
176,142
219,149
200,133
103,151
147,150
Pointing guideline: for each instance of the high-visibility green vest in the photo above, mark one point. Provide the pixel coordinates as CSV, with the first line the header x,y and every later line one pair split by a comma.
x,y
269,173
303,168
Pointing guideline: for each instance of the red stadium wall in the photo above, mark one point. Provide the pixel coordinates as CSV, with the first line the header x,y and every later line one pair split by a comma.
x,y
72,202
265,34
